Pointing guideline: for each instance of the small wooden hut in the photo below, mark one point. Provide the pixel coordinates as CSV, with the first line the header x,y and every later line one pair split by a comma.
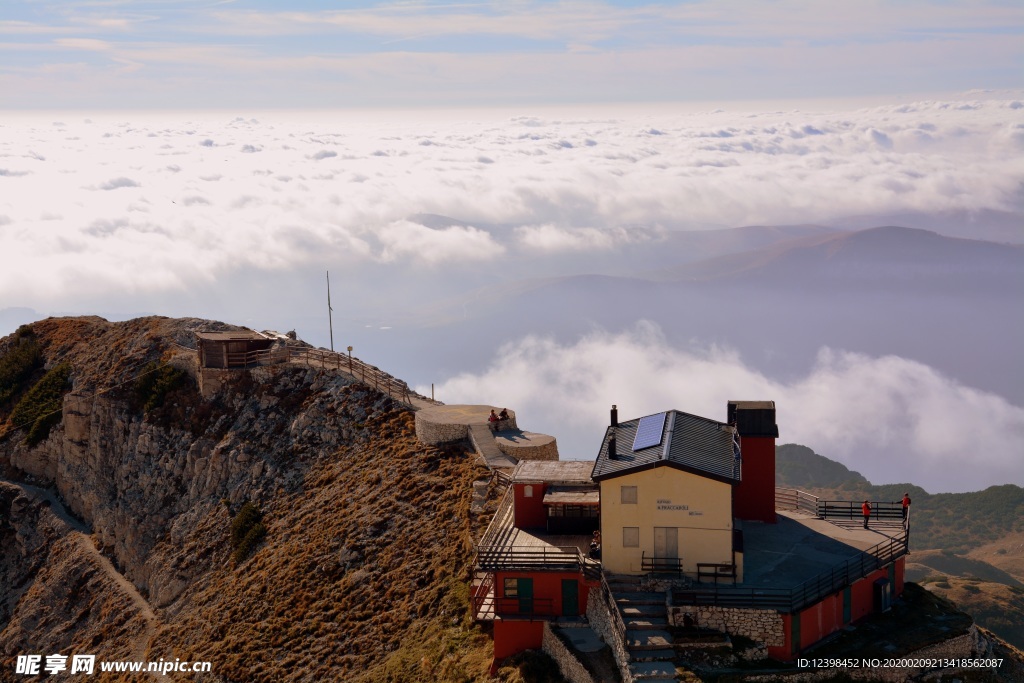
x,y
234,349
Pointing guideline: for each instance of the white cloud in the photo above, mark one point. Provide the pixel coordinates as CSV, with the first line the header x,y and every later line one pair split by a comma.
x,y
456,243
890,418
553,182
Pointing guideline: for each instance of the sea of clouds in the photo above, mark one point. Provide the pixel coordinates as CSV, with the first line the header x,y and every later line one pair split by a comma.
x,y
121,211
142,203
890,418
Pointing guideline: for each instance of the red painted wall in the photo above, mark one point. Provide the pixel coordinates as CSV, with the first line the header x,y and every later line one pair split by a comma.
x,y
529,512
754,497
546,586
513,636
826,617
820,620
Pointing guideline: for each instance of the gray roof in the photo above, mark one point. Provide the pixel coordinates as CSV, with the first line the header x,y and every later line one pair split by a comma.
x,y
688,442
231,335
561,471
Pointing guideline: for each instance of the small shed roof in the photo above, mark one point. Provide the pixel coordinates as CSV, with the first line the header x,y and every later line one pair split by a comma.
x,y
554,471
232,335
688,442
570,496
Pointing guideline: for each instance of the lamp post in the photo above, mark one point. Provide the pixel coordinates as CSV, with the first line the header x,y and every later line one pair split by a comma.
x,y
350,360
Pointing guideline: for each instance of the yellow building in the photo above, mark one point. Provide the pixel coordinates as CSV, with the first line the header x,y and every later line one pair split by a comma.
x,y
666,496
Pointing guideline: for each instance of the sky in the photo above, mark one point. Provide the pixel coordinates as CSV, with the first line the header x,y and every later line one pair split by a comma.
x,y
214,159
103,54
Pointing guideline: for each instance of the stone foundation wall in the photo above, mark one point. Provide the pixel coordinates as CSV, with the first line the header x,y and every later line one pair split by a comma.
x,y
433,433
571,668
971,645
604,622
547,451
761,625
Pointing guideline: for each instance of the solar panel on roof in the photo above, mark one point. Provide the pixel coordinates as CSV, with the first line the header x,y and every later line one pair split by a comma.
x,y
648,432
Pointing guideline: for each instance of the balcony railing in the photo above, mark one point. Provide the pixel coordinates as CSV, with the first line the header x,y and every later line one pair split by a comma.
x,y
525,607
791,600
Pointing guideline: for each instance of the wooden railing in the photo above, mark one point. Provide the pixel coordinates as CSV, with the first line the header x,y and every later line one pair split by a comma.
x,y
795,499
790,600
360,371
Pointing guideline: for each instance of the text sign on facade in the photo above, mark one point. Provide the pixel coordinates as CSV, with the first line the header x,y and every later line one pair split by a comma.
x,y
664,504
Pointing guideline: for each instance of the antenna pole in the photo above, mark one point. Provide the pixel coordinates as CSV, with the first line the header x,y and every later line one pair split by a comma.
x,y
330,319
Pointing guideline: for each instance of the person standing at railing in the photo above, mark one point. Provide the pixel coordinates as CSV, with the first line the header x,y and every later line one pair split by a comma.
x,y
866,511
906,508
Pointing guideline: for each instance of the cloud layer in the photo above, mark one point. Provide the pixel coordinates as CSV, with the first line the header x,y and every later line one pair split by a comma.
x,y
892,419
151,204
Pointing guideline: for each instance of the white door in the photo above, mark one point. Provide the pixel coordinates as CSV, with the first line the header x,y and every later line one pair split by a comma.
x,y
666,542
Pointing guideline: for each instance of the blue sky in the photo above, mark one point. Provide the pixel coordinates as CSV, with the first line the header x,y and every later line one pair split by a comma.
x,y
109,54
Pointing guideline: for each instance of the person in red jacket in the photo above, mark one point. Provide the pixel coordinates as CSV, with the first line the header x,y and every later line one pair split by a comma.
x,y
866,510
906,507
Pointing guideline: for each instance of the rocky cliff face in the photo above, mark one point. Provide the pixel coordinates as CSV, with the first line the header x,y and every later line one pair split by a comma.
x,y
367,531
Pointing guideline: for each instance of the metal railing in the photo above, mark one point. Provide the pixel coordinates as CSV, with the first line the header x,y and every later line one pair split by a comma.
x,y
849,509
795,499
661,564
791,600
531,607
480,593
549,558
618,625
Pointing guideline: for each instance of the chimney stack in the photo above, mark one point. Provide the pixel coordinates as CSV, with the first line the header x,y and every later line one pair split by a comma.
x,y
615,416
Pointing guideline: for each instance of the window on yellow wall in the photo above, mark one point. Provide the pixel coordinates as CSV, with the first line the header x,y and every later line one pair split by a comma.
x,y
629,495
631,536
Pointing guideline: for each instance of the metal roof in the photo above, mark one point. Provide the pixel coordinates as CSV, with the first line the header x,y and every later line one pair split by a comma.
x,y
233,335
568,496
689,442
567,471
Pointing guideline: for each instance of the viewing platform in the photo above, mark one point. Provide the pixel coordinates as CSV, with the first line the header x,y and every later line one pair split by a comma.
x,y
502,445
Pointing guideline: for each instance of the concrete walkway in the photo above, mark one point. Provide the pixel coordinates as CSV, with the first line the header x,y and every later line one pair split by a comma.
x,y
482,439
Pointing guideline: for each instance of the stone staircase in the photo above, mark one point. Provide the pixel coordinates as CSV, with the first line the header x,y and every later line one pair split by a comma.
x,y
648,640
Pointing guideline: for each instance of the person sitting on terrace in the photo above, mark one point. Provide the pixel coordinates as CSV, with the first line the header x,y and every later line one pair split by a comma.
x,y
503,415
492,420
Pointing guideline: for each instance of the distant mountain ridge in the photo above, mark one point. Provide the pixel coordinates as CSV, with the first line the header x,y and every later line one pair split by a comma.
x,y
882,256
966,547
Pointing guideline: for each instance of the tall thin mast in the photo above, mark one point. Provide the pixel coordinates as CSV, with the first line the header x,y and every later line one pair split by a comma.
x,y
330,320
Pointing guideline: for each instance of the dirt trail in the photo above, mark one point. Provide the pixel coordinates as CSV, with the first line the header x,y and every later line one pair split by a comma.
x,y
81,534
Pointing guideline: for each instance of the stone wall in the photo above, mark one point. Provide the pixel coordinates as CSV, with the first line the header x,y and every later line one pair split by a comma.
x,y
761,625
546,449
603,618
433,433
571,668
971,645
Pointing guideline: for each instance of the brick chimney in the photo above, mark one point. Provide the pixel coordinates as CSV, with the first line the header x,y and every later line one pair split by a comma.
x,y
754,497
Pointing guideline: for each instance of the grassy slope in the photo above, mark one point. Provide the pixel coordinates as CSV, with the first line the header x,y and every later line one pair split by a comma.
x,y
363,574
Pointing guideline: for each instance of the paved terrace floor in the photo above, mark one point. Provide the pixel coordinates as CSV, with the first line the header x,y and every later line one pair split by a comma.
x,y
800,547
